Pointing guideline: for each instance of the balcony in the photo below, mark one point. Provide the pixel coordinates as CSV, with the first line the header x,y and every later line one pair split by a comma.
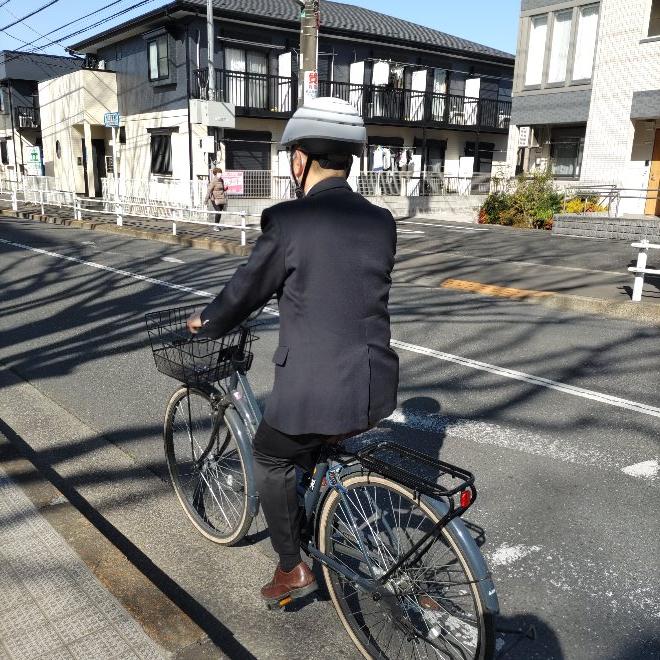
x,y
384,105
27,117
253,94
262,95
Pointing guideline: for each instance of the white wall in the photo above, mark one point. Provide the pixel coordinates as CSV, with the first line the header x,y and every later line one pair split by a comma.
x,y
624,63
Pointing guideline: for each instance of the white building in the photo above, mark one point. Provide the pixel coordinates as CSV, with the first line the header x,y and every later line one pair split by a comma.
x,y
586,96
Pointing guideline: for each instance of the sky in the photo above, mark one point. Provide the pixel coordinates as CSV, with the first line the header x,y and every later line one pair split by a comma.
x,y
490,22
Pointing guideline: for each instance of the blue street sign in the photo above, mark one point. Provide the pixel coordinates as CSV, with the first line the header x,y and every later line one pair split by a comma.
x,y
111,119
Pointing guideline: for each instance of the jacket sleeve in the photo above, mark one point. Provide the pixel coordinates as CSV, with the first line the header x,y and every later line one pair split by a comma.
x,y
252,285
209,192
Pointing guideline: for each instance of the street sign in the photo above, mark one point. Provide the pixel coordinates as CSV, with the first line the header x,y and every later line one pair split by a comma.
x,y
311,90
234,182
32,161
523,136
111,120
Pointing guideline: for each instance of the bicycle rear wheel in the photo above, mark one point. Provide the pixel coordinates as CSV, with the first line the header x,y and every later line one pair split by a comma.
x,y
433,609
206,467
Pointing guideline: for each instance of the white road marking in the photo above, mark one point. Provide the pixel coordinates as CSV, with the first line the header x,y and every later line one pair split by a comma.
x,y
172,260
88,242
531,379
110,269
431,224
508,554
644,470
420,350
487,433
408,231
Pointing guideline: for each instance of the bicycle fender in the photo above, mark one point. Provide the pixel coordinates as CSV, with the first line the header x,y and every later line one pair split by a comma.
x,y
242,436
473,555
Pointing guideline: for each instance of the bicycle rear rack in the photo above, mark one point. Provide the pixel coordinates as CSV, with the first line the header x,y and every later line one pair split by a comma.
x,y
421,472
424,475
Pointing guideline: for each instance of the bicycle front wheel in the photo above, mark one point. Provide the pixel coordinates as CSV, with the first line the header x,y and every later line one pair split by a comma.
x,y
433,608
207,468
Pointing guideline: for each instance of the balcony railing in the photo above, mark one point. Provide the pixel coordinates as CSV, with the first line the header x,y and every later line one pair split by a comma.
x,y
254,93
261,94
382,104
27,117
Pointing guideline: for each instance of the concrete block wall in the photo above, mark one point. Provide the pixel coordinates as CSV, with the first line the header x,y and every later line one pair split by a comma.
x,y
451,207
599,226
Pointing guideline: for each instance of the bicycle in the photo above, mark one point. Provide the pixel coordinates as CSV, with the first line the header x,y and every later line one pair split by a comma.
x,y
384,521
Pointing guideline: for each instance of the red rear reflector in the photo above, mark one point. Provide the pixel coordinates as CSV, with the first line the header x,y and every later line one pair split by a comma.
x,y
466,498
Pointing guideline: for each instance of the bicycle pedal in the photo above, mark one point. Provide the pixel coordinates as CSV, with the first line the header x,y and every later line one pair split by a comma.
x,y
279,605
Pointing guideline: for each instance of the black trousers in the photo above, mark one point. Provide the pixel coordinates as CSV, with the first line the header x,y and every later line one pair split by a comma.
x,y
218,207
276,455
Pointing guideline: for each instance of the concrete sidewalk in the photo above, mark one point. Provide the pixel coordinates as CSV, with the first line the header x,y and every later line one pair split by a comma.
x,y
52,606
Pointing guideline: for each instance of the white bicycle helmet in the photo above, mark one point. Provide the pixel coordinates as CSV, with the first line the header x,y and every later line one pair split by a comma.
x,y
328,130
324,126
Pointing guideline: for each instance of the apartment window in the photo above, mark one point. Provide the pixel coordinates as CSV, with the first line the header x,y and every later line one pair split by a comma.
x,y
483,160
536,50
161,153
585,43
566,146
246,65
561,41
159,67
4,156
2,101
654,22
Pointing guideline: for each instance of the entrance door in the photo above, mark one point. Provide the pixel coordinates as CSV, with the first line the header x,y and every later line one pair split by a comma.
x,y
653,196
98,154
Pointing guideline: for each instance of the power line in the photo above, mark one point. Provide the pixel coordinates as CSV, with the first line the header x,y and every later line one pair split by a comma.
x,y
20,53
77,20
36,11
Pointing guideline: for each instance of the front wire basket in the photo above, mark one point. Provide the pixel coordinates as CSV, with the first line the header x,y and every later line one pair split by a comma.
x,y
422,473
191,359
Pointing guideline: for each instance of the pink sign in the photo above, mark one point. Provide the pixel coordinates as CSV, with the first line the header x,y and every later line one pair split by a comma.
x,y
234,182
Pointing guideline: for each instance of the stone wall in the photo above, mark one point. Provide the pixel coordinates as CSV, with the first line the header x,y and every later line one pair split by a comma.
x,y
601,226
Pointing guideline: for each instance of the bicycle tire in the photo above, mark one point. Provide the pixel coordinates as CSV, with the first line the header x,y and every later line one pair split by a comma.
x,y
369,647
226,482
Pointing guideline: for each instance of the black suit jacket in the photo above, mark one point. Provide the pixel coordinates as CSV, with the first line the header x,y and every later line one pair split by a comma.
x,y
329,258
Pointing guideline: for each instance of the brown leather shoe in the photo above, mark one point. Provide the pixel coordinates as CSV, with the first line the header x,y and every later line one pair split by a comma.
x,y
285,587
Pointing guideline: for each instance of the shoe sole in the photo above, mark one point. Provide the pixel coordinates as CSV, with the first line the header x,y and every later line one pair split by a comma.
x,y
290,596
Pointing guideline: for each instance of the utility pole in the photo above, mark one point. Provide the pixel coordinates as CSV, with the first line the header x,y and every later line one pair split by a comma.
x,y
210,51
308,77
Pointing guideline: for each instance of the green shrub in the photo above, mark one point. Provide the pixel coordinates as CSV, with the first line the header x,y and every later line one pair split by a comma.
x,y
532,203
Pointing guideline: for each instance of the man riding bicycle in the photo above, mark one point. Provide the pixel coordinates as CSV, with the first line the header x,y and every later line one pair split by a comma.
x,y
328,256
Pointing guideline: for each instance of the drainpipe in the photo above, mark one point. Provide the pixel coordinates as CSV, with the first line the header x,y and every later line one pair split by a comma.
x,y
188,93
13,130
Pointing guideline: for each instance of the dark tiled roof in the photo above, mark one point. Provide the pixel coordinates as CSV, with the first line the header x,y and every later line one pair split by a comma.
x,y
342,16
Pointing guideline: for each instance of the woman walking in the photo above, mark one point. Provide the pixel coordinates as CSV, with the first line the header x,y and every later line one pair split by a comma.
x,y
216,195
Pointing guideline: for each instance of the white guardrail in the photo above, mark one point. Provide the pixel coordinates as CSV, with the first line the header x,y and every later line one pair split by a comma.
x,y
640,269
119,209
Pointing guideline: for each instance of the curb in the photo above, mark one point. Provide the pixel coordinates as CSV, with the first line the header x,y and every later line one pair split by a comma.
x,y
641,312
214,245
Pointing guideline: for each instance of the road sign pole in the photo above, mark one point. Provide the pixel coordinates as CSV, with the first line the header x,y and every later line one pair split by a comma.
x,y
115,175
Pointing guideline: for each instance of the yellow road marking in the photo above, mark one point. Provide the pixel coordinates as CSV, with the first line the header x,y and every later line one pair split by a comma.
x,y
493,289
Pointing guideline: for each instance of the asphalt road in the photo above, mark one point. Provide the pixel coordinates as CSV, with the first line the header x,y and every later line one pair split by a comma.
x,y
557,414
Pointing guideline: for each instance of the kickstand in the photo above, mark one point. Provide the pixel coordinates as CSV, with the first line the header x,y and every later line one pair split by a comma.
x,y
515,636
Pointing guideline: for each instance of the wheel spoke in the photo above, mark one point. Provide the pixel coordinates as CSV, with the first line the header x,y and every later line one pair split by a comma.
x,y
434,597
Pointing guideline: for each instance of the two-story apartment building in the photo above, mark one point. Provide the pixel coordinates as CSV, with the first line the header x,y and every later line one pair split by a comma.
x,y
586,98
428,98
20,123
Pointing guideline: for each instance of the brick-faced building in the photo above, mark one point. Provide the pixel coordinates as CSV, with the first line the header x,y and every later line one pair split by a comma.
x,y
586,95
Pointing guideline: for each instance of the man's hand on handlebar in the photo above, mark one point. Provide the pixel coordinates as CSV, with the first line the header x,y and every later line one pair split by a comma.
x,y
194,324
